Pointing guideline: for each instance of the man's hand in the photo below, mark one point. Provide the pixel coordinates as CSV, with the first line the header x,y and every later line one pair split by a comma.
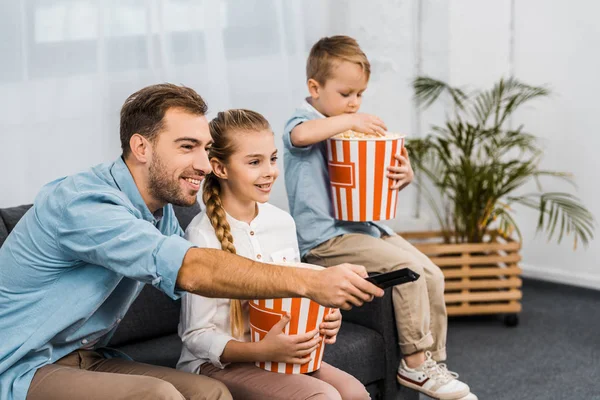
x,y
331,325
342,286
402,174
295,349
367,123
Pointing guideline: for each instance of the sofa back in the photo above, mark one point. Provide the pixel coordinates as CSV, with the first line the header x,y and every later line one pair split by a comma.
x,y
152,314
9,218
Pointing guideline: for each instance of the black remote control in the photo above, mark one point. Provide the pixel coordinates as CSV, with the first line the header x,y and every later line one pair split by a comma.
x,y
393,278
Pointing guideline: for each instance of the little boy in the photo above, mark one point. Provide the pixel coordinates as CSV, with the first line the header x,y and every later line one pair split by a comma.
x,y
338,73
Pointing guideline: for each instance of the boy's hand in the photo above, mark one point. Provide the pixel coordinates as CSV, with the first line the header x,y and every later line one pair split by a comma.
x,y
331,325
367,123
402,174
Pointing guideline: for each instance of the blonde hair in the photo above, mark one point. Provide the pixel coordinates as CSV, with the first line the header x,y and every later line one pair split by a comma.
x,y
331,50
222,129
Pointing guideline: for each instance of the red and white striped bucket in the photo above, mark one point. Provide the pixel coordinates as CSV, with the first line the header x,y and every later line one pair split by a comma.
x,y
357,169
305,316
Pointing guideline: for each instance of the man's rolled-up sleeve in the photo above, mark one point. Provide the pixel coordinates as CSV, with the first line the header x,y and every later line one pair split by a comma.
x,y
103,231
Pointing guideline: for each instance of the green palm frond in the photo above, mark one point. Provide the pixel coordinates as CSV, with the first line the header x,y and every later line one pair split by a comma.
x,y
504,221
560,211
427,90
502,100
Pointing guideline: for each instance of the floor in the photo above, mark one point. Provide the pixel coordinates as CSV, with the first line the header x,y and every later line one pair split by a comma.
x,y
554,352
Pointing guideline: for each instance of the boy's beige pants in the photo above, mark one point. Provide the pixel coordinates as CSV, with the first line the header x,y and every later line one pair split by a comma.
x,y
419,306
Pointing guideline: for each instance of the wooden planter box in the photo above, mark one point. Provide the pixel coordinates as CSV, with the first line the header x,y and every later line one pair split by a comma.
x,y
481,278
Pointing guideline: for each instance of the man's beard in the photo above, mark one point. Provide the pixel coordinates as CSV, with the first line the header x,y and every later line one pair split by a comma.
x,y
165,189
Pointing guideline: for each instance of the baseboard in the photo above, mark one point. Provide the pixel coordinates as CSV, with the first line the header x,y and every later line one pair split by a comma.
x,y
561,276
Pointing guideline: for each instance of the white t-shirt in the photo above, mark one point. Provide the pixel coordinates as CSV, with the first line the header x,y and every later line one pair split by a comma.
x,y
204,325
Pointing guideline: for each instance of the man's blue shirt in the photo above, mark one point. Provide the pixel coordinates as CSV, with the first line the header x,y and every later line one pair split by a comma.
x,y
73,265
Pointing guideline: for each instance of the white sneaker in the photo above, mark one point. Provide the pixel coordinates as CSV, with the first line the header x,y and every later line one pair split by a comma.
x,y
470,396
434,380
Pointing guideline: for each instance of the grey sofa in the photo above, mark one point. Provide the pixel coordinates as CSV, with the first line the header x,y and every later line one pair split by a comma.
x,y
366,347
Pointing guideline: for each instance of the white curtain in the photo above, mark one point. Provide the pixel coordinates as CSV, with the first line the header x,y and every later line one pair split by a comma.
x,y
67,66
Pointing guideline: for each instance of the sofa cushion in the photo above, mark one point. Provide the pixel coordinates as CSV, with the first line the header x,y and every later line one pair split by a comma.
x,y
358,351
12,215
164,350
3,232
186,214
152,314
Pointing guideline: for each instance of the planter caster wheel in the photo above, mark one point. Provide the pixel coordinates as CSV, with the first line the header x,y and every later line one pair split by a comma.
x,y
511,320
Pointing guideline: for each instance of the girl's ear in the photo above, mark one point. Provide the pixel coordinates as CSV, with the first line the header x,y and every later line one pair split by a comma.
x,y
218,168
313,88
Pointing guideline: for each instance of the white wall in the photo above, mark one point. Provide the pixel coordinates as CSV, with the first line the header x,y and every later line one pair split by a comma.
x,y
70,64
64,76
553,43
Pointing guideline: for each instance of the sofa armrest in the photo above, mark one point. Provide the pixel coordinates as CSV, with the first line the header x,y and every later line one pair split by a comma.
x,y
379,316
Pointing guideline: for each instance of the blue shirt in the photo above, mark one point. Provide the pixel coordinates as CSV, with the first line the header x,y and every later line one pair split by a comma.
x,y
309,196
73,265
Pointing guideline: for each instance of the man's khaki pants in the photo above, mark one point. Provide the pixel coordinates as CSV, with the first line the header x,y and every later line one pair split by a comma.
x,y
85,374
419,306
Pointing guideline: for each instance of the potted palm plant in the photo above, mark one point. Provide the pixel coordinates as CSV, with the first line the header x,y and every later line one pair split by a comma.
x,y
472,170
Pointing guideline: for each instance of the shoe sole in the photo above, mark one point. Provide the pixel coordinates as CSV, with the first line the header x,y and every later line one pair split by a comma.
x,y
438,396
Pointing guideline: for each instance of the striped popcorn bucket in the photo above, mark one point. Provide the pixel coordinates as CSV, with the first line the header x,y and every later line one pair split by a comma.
x,y
305,315
357,169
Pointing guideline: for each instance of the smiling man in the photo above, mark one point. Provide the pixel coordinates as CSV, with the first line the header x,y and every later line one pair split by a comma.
x,y
80,256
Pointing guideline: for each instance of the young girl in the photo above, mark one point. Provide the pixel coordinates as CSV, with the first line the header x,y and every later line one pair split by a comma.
x,y
215,332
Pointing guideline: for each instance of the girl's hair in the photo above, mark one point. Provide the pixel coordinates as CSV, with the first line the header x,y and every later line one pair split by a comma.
x,y
222,129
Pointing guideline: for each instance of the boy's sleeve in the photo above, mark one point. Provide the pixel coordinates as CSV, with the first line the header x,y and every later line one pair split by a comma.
x,y
287,132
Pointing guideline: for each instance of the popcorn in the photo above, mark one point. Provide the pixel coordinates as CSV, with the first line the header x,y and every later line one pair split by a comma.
x,y
350,134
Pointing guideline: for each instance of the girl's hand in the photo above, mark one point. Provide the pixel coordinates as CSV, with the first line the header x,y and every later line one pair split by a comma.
x,y
331,325
295,349
367,123
402,174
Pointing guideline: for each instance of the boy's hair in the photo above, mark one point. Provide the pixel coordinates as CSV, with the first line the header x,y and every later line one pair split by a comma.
x,y
331,50
144,110
222,129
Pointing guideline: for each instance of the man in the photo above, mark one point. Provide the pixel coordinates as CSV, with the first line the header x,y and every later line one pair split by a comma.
x,y
79,257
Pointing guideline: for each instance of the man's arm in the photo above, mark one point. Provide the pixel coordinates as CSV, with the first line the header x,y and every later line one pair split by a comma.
x,y
317,130
216,273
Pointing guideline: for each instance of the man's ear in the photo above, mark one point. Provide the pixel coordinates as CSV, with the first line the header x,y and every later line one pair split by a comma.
x,y
218,168
141,149
314,88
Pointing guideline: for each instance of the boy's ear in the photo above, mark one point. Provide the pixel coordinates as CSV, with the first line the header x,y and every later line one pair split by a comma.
x,y
218,168
313,88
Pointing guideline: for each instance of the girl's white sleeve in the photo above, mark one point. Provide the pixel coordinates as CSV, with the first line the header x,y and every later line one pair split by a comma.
x,y
199,332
